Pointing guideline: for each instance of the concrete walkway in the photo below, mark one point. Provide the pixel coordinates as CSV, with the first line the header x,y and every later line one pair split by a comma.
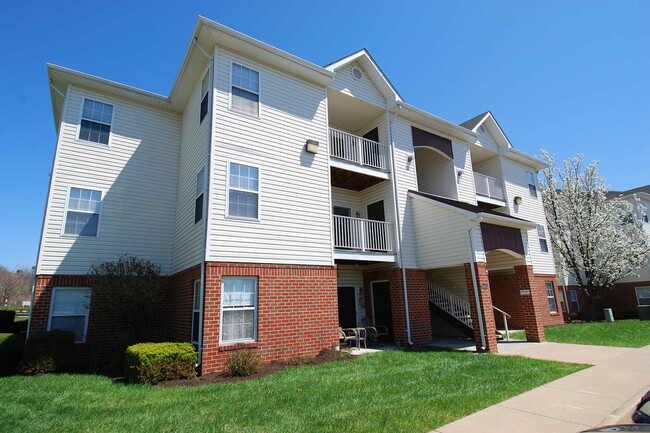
x,y
603,394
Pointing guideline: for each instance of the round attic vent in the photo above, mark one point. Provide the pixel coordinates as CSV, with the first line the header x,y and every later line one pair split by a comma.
x,y
481,129
357,73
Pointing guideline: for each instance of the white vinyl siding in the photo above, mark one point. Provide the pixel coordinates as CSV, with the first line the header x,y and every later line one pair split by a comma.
x,y
490,167
486,140
363,89
453,279
69,309
436,173
295,226
498,260
137,175
188,235
464,183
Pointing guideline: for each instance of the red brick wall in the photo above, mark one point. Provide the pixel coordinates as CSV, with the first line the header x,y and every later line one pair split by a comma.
x,y
180,306
297,311
621,299
485,296
418,297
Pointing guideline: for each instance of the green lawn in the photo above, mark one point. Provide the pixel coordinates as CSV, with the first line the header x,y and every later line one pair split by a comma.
x,y
621,333
393,391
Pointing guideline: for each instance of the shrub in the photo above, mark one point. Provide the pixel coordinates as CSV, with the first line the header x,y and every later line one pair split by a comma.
x,y
11,347
47,352
20,326
243,363
7,320
155,362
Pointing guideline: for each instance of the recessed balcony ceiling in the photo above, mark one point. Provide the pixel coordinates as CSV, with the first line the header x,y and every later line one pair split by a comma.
x,y
352,180
348,113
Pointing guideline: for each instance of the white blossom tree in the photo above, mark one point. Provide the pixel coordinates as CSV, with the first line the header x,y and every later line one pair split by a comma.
x,y
598,240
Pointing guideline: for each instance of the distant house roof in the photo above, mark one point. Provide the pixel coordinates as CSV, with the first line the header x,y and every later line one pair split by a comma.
x,y
642,189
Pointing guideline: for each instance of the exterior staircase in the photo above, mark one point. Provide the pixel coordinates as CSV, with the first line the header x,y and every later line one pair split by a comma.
x,y
454,305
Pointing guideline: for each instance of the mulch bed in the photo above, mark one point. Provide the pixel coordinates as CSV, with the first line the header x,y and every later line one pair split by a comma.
x,y
325,356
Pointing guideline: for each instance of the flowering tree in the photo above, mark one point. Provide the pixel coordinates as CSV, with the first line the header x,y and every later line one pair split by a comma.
x,y
597,241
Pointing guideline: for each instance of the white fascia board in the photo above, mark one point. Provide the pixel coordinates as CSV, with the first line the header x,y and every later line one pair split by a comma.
x,y
364,257
435,123
506,221
464,212
481,121
519,156
359,169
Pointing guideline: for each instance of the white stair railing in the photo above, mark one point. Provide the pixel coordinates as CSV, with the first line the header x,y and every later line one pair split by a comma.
x,y
505,321
452,304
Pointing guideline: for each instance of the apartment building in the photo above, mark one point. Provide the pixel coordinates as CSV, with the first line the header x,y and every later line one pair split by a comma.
x,y
285,199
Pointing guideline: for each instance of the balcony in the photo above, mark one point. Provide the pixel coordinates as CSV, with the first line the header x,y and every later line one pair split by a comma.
x,y
357,235
489,189
358,150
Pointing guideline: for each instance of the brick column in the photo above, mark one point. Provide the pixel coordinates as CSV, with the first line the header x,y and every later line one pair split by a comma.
x,y
531,302
485,299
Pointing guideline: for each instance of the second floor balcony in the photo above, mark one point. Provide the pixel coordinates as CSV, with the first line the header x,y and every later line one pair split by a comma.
x,y
489,187
358,150
363,235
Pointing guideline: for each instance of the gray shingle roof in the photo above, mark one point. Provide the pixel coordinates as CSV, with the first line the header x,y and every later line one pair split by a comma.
x,y
471,123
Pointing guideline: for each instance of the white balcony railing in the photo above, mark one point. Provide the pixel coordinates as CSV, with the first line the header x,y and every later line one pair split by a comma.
x,y
488,186
362,234
358,150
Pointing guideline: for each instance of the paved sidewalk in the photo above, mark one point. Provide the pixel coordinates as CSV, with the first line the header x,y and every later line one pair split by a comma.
x,y
599,395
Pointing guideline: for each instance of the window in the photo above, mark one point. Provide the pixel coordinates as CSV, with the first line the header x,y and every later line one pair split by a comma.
x,y
532,185
245,96
575,305
243,191
550,293
196,312
198,202
205,95
82,215
239,313
69,311
96,120
541,234
643,295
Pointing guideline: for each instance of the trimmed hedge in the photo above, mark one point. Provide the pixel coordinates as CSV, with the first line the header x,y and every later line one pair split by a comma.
x,y
47,352
7,320
154,362
11,347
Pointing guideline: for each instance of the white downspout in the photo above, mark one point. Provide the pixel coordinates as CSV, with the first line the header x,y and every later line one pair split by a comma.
x,y
479,312
397,224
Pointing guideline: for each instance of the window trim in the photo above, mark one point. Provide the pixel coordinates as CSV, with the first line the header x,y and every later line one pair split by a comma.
x,y
258,93
65,213
554,297
202,193
534,184
544,238
255,314
636,292
194,311
87,315
259,192
81,112
577,302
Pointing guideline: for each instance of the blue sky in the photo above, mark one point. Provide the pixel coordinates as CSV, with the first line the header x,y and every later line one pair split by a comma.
x,y
568,77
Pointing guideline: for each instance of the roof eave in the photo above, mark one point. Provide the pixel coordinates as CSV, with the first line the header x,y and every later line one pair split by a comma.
x,y
518,156
434,122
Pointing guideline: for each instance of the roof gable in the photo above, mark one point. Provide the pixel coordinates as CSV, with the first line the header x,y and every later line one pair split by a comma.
x,y
488,121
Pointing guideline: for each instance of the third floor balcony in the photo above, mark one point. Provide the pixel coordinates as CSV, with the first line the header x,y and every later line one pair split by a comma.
x,y
358,150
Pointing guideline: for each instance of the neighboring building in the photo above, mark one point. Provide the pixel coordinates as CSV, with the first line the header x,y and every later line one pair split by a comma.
x,y
628,292
285,200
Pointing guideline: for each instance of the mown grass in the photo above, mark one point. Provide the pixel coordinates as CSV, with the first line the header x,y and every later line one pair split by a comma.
x,y
620,333
392,391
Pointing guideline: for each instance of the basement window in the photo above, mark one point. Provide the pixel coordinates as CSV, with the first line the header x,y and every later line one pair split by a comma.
x,y
550,294
239,309
69,311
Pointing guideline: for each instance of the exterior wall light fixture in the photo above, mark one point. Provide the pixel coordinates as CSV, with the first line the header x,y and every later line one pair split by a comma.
x,y
518,200
312,146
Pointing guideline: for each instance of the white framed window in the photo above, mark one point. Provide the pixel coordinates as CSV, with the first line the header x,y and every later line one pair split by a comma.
x,y
532,184
541,234
205,96
550,294
83,210
198,196
575,305
196,311
96,121
69,311
238,309
245,90
243,191
642,295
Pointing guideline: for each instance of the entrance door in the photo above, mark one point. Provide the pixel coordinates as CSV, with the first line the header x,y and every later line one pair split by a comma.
x,y
376,234
376,211
381,306
371,153
347,308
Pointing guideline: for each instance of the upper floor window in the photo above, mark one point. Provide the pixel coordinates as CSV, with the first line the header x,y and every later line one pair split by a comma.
x,y
541,234
69,311
205,95
96,118
198,196
82,214
245,91
550,293
532,185
243,191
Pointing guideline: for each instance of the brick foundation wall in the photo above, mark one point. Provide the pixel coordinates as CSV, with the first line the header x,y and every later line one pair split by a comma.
x,y
180,305
621,299
297,312
418,298
485,297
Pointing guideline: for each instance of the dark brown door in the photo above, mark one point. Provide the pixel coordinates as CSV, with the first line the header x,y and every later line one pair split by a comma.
x,y
381,306
347,309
